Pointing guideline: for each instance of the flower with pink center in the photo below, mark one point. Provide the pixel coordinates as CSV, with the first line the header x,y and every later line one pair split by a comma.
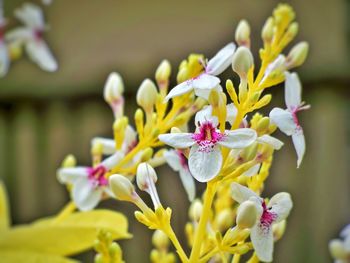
x,y
287,120
273,212
178,162
31,36
89,184
4,57
207,80
205,157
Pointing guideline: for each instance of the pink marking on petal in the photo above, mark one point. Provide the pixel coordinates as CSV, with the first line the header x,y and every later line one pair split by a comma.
x,y
183,159
38,34
267,218
207,136
97,176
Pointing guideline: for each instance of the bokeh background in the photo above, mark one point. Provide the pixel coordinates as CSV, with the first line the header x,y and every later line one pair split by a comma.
x,y
45,116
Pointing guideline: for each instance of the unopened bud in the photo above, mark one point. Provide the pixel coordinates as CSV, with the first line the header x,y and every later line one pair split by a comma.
x,y
247,215
163,71
225,219
263,101
279,229
196,209
97,148
147,154
175,130
263,124
292,30
214,98
114,88
69,161
242,61
242,35
297,55
147,95
267,31
145,175
160,240
121,187
337,249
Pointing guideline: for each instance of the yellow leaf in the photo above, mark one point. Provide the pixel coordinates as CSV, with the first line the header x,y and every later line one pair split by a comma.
x,y
15,256
4,210
73,234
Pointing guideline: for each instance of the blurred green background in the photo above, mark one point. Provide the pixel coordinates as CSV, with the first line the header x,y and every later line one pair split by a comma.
x,y
45,116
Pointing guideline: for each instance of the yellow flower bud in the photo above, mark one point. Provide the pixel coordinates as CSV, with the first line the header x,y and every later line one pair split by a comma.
x,y
224,219
147,154
175,130
247,215
242,61
195,210
121,187
297,55
114,88
160,240
242,35
279,229
163,71
263,125
69,161
147,95
337,249
267,31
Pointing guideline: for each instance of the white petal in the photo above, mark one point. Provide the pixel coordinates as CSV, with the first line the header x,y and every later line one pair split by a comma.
x,y
292,91
129,139
222,60
345,231
262,240
280,204
31,15
39,52
71,174
85,196
253,171
278,63
112,160
231,113
238,139
108,145
241,193
205,81
19,34
188,183
284,120
204,164
203,115
204,93
180,89
299,144
173,159
177,140
4,59
272,141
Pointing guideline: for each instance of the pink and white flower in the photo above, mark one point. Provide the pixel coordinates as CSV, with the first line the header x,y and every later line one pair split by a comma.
x,y
178,162
287,120
31,36
205,82
89,184
205,157
4,57
276,210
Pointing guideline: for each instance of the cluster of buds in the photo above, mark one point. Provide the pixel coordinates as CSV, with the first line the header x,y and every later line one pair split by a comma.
x,y
230,149
29,37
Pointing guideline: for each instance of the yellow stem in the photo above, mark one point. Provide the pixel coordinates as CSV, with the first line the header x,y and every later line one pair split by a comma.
x,y
236,258
172,236
66,211
198,239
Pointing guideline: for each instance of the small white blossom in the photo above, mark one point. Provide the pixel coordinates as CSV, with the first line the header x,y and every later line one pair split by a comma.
x,y
287,120
340,248
89,184
276,210
205,157
205,82
31,36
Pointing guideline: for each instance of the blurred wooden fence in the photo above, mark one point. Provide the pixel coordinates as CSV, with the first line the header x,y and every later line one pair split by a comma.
x,y
35,136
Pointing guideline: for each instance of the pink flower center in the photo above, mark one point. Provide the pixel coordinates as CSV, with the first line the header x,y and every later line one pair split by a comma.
x,y
207,136
267,217
97,176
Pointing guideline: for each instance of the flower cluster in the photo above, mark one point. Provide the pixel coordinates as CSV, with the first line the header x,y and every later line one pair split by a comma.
x,y
29,36
230,148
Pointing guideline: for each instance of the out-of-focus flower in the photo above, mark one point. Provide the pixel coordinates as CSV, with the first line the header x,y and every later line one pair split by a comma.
x,y
31,36
203,83
178,162
89,183
205,157
276,210
287,120
4,57
340,248
113,94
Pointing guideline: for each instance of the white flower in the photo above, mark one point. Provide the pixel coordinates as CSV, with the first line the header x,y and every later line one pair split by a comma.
x,y
276,210
31,36
287,120
340,248
4,58
206,81
205,157
178,162
89,183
